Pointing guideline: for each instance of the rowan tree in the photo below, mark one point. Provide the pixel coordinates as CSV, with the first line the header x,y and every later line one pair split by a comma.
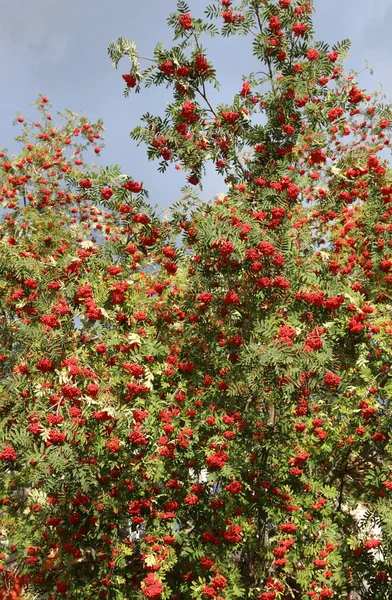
x,y
194,406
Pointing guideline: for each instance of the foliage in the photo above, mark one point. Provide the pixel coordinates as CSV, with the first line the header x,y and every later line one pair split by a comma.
x,y
195,406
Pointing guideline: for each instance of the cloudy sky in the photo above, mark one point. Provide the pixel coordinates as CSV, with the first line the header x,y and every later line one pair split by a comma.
x,y
60,49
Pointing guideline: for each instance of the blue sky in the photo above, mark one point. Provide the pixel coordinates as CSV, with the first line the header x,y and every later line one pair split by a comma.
x,y
60,50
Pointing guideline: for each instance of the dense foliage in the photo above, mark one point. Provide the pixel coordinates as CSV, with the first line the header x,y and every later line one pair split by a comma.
x,y
195,405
